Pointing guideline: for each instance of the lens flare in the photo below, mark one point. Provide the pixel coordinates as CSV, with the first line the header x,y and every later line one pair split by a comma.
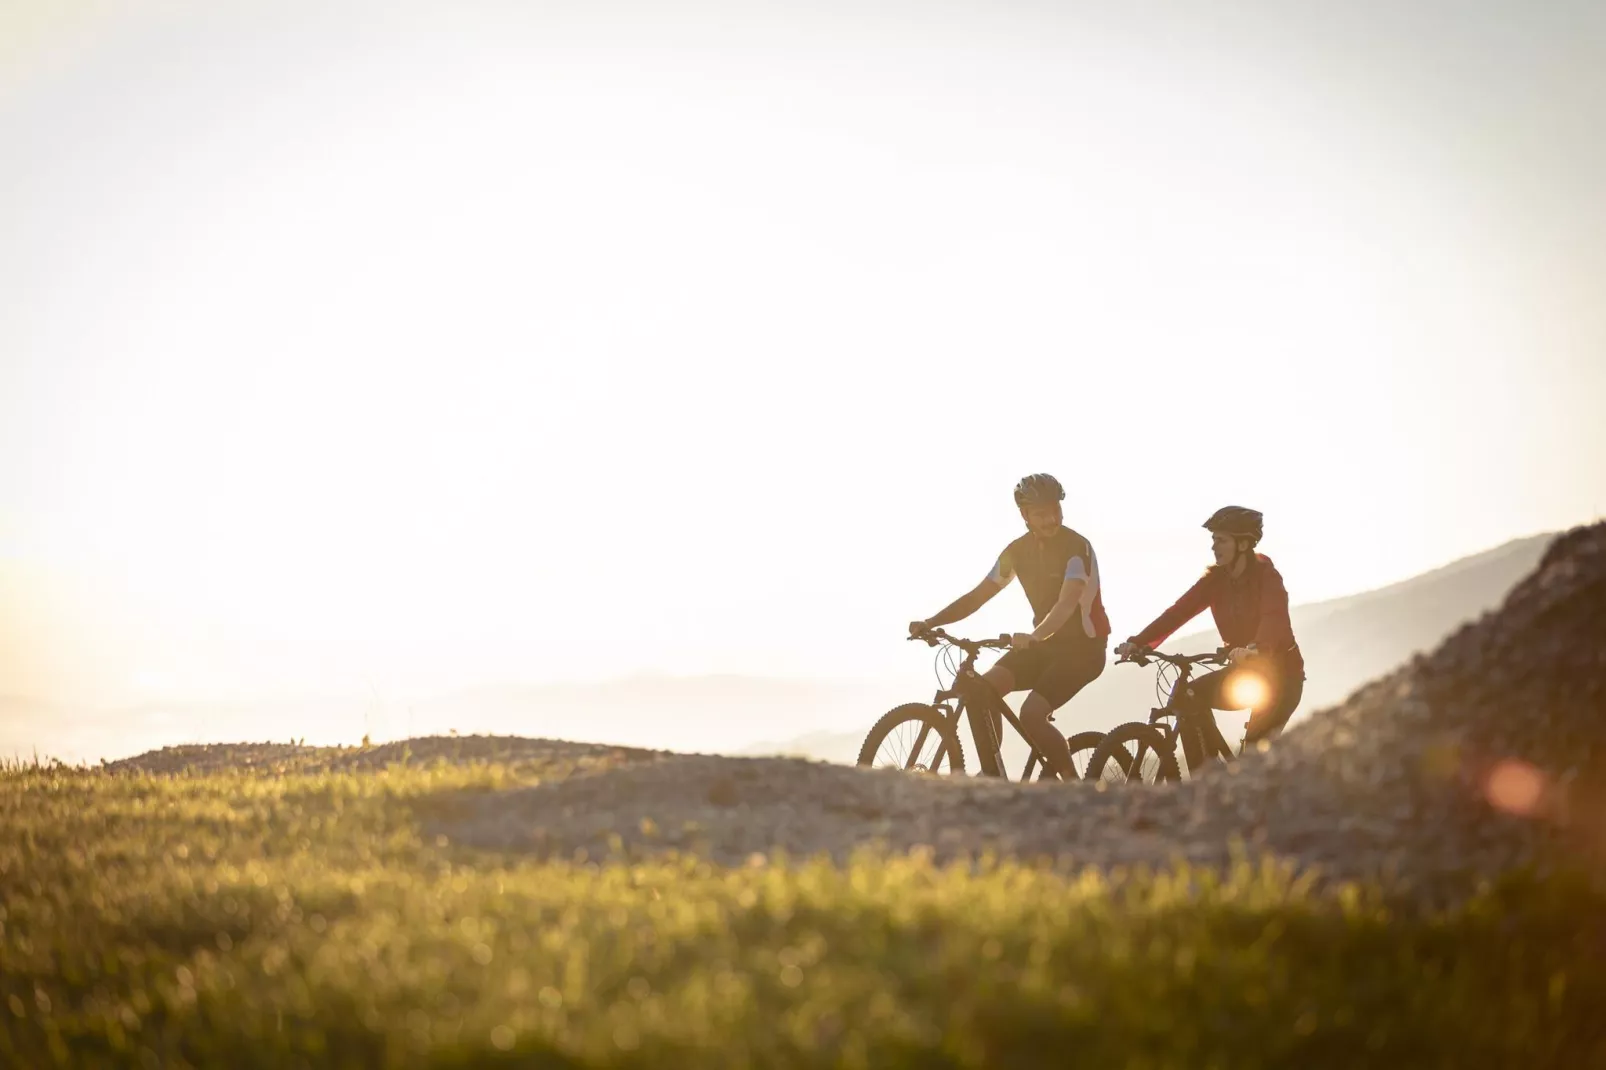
x,y
1515,787
1247,691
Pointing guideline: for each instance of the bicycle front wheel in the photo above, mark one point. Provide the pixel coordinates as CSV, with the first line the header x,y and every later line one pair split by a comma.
x,y
913,737
1133,753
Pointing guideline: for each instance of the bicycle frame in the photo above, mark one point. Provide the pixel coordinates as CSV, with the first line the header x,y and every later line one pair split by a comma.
x,y
1183,720
974,693
970,691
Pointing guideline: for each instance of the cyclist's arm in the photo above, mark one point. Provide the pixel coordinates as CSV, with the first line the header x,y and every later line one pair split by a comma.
x,y
978,596
1275,632
1069,601
1194,601
967,603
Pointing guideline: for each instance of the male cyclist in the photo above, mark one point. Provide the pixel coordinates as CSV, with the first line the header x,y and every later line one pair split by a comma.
x,y
1245,594
1066,648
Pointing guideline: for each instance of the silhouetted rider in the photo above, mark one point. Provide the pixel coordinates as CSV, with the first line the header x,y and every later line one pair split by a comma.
x,y
1245,594
1067,647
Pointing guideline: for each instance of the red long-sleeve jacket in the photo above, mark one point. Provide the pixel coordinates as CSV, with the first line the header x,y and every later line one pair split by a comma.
x,y
1252,608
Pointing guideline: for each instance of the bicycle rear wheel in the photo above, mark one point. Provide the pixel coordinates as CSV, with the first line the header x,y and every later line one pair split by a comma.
x,y
1082,745
913,737
1133,753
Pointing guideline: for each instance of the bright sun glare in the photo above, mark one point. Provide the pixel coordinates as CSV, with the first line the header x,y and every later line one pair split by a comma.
x,y
1246,690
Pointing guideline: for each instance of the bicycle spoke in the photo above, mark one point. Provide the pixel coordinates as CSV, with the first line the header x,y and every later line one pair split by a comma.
x,y
1079,762
1119,769
899,751
1148,765
920,742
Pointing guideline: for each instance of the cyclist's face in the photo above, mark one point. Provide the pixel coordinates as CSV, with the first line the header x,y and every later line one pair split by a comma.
x,y
1225,548
1041,518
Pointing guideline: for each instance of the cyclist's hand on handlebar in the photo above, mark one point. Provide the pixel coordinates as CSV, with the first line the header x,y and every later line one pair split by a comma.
x,y
918,627
1240,654
1022,640
1128,649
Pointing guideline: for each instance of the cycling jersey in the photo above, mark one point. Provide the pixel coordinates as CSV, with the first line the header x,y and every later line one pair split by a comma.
x,y
1043,565
1252,608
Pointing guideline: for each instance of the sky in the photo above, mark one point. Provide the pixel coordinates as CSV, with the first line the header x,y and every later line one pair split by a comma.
x,y
416,345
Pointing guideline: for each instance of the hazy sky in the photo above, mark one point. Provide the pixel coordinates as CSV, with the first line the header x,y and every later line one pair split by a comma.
x,y
438,342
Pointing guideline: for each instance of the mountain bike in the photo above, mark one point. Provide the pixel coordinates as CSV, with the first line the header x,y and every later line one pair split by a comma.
x,y
1147,753
925,736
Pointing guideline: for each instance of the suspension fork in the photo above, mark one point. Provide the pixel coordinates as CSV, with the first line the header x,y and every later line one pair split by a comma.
x,y
1196,724
925,727
1185,711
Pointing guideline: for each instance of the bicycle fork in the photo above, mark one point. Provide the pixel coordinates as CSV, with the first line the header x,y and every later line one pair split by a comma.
x,y
983,713
925,730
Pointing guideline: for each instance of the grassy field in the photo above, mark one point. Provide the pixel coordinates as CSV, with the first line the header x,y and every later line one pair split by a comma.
x,y
306,919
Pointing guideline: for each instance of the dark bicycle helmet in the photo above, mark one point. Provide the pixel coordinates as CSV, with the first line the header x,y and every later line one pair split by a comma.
x,y
1038,489
1235,520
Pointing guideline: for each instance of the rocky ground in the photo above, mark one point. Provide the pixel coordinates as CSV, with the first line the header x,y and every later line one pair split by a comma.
x,y
1486,754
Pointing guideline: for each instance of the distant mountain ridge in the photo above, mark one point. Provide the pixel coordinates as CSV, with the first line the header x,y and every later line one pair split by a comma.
x,y
712,714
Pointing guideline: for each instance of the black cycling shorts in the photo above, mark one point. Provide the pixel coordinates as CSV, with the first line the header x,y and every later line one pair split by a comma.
x,y
1285,691
1056,668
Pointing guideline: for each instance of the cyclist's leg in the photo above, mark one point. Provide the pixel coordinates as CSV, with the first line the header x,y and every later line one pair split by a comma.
x,y
1268,722
1202,697
1042,735
1002,677
1075,664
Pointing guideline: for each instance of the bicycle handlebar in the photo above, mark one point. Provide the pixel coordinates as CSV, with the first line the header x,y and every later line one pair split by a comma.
x,y
933,636
1147,654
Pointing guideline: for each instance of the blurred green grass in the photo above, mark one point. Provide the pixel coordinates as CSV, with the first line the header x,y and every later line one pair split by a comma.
x,y
290,917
